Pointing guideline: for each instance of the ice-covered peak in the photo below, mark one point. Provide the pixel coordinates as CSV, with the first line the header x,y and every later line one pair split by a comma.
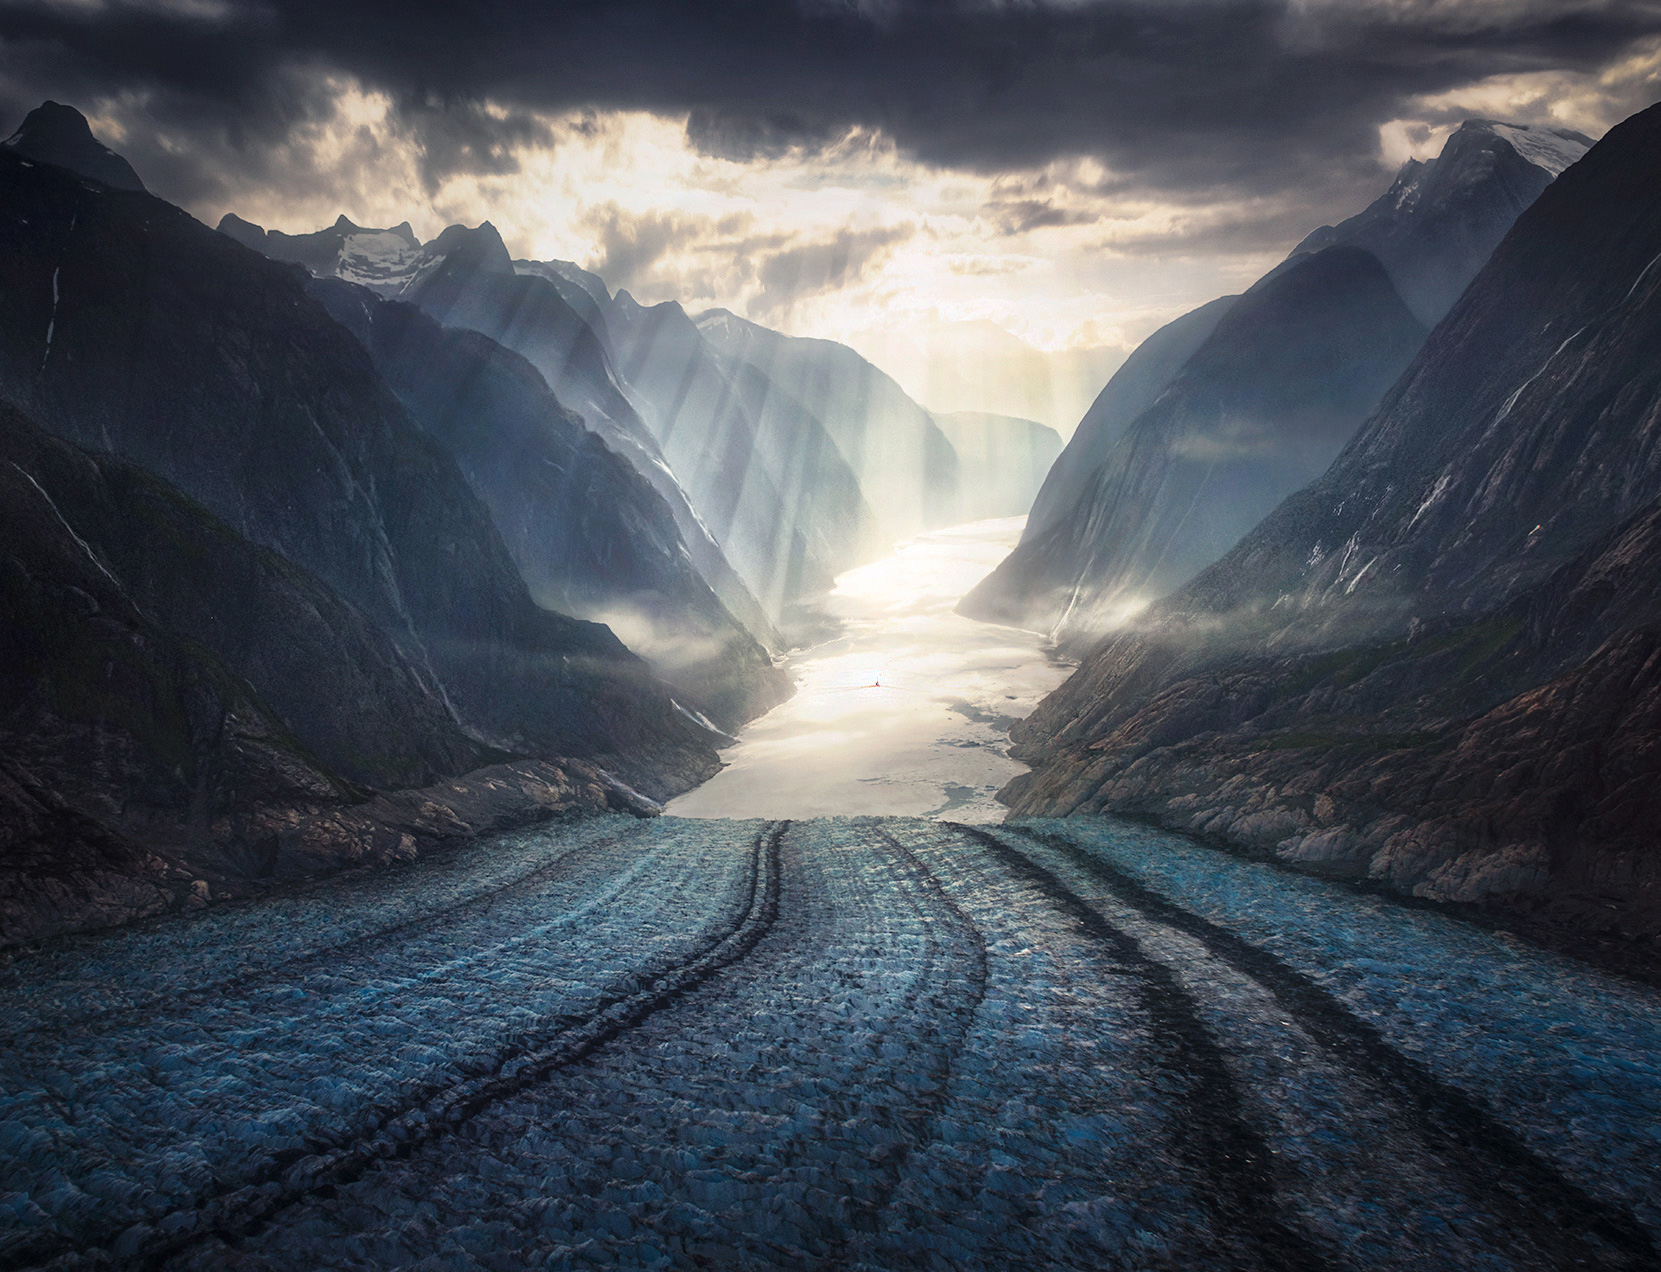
x,y
60,135
1553,149
378,258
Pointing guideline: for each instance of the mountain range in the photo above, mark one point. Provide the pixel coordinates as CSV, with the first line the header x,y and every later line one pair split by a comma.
x,y
1229,409
250,597
785,460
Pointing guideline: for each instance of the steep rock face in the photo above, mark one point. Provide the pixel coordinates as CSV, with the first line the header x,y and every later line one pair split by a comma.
x,y
1432,231
1133,389
590,536
1001,461
1440,221
763,471
1261,408
906,468
331,677
133,329
57,134
1434,665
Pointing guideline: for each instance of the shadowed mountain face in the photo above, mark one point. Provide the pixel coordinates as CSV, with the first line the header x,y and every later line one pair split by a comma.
x,y
133,329
763,470
1132,390
352,700
465,278
1260,408
589,534
59,135
1112,530
1001,459
183,712
1436,664
906,468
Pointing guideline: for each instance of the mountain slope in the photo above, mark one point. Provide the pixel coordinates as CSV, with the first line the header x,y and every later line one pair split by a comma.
x,y
183,714
465,278
1435,664
134,329
1132,390
590,536
1431,232
1260,408
763,471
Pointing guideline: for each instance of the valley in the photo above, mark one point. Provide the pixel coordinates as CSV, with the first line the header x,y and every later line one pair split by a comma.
x,y
906,709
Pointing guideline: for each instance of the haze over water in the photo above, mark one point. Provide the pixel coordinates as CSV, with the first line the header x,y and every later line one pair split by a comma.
x,y
907,711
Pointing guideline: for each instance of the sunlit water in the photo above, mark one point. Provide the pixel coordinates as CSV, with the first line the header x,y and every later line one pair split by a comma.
x,y
907,712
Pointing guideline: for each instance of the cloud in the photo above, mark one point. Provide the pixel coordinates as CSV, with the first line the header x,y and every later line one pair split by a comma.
x,y
806,269
632,245
1251,95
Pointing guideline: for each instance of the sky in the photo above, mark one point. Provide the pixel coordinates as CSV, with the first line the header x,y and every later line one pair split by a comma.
x,y
995,200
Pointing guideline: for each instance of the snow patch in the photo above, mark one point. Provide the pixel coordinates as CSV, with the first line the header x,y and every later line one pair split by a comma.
x,y
1543,147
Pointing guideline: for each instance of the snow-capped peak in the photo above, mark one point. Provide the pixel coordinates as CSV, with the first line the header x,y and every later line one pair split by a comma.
x,y
1553,149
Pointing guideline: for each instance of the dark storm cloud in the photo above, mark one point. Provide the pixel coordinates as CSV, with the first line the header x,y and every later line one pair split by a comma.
x,y
1248,95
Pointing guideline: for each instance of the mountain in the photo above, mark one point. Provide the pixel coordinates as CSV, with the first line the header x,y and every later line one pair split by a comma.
x,y
136,331
1435,666
763,471
1133,389
590,535
1440,220
906,468
1112,528
184,713
465,278
1002,460
59,135
1260,408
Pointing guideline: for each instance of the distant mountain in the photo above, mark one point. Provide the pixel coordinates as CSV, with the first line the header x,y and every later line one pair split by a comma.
x,y
380,259
764,471
135,331
590,535
59,135
1002,460
1123,518
906,468
1435,666
1260,408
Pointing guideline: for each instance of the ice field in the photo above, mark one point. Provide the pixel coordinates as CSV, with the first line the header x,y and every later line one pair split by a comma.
x,y
843,1043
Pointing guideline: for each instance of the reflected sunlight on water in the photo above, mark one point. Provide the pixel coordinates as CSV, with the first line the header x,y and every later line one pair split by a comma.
x,y
907,711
